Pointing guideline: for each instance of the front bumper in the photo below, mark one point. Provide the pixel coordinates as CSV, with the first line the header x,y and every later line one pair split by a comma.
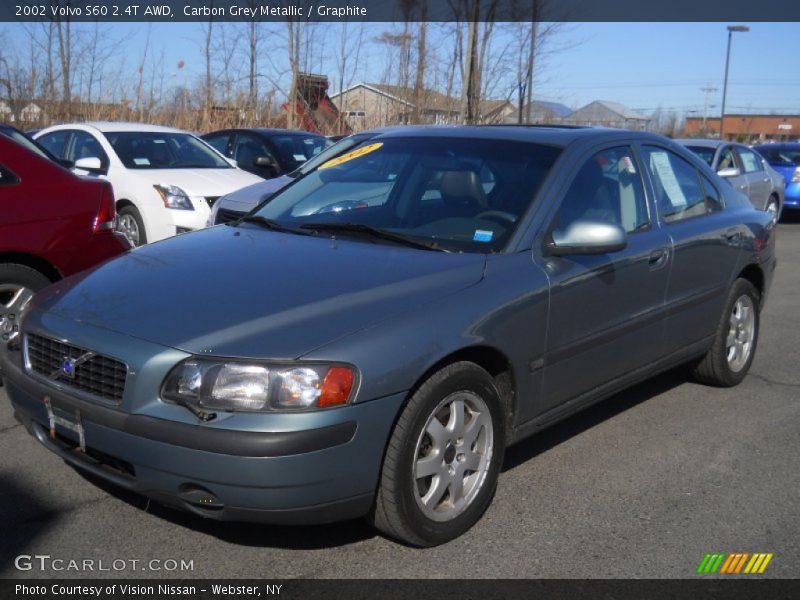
x,y
303,468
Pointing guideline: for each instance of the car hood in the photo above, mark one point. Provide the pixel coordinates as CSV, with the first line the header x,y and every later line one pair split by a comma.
x,y
246,292
247,198
199,182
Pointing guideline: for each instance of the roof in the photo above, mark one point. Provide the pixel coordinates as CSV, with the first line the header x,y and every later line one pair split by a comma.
x,y
616,107
701,143
542,134
431,99
556,108
109,126
267,131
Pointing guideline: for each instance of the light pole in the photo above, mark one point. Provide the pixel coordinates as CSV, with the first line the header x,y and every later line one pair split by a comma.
x,y
731,30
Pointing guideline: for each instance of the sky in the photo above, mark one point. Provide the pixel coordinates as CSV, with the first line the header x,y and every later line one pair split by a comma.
x,y
645,66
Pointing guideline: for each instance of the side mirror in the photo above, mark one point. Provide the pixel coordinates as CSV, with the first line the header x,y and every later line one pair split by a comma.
x,y
90,163
265,161
588,237
729,172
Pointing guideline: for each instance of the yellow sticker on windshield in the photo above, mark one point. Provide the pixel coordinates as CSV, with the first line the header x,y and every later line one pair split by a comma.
x,y
351,155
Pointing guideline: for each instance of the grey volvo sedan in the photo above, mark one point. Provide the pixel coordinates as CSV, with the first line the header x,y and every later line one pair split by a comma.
x,y
371,340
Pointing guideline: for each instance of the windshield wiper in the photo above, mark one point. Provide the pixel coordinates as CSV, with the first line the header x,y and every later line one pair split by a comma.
x,y
266,224
383,234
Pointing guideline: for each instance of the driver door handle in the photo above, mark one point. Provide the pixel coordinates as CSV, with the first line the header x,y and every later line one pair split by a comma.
x,y
658,258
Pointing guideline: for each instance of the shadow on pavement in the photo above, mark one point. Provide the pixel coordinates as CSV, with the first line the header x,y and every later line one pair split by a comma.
x,y
594,415
28,516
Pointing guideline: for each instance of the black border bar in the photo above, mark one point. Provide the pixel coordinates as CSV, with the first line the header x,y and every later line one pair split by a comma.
x,y
399,10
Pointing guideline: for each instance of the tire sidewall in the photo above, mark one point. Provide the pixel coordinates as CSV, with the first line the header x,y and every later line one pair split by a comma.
x,y
740,287
467,378
22,275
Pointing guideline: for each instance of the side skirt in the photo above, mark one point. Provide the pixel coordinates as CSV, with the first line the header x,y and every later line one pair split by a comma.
x,y
571,407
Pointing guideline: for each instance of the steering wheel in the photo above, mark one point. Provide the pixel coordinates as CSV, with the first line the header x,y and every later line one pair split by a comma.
x,y
498,216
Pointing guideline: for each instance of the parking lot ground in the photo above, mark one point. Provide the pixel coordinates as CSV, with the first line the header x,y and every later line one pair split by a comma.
x,y
641,485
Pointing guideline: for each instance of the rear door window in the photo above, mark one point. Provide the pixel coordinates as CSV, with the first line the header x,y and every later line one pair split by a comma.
x,y
751,162
679,193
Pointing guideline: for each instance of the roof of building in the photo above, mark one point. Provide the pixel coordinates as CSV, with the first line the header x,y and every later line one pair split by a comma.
x,y
431,99
615,107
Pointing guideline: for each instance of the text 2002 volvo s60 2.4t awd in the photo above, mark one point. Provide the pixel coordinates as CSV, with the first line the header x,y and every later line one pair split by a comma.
x,y
370,340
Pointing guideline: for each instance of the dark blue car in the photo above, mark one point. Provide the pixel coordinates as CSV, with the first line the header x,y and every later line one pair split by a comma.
x,y
370,341
785,158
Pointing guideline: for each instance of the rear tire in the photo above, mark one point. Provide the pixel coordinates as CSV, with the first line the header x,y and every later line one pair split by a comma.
x,y
728,360
131,225
443,459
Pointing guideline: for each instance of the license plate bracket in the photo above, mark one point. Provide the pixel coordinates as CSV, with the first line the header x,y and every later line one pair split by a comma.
x,y
75,426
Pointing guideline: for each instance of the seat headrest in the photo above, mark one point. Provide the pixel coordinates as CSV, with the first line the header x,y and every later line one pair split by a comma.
x,y
463,184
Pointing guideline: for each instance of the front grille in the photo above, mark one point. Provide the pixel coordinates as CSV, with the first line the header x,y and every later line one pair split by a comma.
x,y
98,375
226,216
211,200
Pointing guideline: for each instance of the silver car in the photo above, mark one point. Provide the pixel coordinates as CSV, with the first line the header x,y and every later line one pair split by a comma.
x,y
745,169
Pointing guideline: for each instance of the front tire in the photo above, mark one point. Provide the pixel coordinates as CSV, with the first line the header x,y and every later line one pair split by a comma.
x,y
727,362
131,225
443,459
773,209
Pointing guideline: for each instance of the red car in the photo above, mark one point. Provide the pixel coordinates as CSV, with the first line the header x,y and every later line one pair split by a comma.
x,y
52,224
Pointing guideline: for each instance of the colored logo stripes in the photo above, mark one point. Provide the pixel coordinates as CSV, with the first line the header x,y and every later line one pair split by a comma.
x,y
734,563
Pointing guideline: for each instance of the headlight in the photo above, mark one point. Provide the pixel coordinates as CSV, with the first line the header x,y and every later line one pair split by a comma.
x,y
224,385
174,197
796,175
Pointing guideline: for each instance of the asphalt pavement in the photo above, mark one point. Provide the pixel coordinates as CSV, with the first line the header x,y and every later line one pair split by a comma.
x,y
641,485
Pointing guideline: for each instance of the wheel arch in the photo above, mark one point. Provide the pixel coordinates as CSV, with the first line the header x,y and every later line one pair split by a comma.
x,y
494,362
32,261
754,275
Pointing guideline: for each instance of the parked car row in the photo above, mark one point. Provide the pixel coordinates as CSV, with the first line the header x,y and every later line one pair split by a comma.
x,y
389,322
166,180
745,169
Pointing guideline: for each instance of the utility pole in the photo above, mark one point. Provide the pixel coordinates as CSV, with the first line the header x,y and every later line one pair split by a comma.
x,y
708,90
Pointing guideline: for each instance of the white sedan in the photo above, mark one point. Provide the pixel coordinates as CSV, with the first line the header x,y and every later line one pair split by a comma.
x,y
165,180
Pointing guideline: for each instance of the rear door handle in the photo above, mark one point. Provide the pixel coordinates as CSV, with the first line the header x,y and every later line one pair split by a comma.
x,y
733,235
658,258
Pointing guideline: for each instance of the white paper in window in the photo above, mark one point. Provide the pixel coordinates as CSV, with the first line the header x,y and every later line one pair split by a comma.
x,y
659,163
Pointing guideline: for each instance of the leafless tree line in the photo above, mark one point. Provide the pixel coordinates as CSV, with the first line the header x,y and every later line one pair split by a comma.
x,y
60,70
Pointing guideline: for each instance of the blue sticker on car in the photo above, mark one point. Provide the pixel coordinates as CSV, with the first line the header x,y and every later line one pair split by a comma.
x,y
481,235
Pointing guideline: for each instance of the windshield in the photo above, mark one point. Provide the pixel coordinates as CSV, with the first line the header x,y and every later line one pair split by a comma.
x,y
297,149
331,152
781,155
704,152
24,140
149,150
461,195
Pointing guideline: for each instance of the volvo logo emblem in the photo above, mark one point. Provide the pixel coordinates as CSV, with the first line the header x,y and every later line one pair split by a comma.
x,y
70,365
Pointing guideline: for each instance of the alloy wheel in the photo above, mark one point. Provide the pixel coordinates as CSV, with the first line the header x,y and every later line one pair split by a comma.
x,y
741,333
128,226
13,298
453,455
